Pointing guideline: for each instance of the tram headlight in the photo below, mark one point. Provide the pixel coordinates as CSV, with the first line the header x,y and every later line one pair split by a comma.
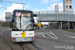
x,y
15,34
31,34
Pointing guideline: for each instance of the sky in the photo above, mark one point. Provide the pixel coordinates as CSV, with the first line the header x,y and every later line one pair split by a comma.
x,y
34,5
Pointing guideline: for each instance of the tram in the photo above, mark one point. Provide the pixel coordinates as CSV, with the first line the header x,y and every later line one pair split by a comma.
x,y
22,26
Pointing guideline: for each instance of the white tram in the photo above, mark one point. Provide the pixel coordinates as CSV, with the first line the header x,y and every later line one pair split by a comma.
x,y
22,26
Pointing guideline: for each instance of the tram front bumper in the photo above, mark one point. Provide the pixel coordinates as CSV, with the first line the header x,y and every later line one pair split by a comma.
x,y
22,39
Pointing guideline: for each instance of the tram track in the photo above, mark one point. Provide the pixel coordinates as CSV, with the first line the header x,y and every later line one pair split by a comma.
x,y
6,42
25,47
33,46
22,46
36,46
4,39
9,45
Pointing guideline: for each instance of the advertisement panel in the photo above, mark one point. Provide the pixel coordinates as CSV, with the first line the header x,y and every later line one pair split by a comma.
x,y
8,16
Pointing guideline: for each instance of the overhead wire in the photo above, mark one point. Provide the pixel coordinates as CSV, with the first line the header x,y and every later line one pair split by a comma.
x,y
10,2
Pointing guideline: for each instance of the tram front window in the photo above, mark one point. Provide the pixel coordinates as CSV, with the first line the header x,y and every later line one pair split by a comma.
x,y
22,21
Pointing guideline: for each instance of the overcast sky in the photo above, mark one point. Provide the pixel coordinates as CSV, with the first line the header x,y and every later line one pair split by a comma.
x,y
34,5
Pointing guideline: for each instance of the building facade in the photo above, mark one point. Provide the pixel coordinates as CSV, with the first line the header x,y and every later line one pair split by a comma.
x,y
56,8
67,5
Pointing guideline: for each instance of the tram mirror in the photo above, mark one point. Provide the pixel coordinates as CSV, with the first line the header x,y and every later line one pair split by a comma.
x,y
35,25
12,20
34,15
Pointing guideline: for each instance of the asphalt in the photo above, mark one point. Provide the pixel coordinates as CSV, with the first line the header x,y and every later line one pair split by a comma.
x,y
62,43
73,29
65,40
3,46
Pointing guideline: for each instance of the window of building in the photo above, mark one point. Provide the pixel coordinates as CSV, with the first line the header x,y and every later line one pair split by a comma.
x,y
66,1
70,1
70,7
66,6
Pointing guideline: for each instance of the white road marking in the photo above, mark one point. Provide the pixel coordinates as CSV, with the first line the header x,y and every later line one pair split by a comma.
x,y
50,35
43,35
54,35
70,36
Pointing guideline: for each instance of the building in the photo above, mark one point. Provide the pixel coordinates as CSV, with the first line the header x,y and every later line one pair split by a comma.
x,y
67,5
56,8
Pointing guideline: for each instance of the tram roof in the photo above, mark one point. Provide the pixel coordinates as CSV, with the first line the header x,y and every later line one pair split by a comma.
x,y
23,10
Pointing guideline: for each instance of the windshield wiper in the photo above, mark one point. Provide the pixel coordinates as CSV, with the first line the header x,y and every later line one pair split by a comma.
x,y
26,27
20,22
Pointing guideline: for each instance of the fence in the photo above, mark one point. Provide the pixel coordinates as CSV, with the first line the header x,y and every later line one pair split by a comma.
x,y
4,24
55,16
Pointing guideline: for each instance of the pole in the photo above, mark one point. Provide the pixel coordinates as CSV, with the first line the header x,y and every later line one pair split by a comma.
x,y
61,25
68,21
23,7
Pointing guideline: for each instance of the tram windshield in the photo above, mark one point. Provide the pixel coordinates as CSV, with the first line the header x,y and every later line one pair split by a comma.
x,y
22,21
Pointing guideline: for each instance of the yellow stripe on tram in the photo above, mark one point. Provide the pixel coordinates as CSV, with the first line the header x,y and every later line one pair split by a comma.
x,y
23,34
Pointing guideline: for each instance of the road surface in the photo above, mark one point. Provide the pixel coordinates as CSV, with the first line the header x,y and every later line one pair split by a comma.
x,y
45,39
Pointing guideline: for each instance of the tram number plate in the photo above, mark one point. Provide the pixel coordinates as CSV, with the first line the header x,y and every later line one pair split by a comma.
x,y
23,34
25,39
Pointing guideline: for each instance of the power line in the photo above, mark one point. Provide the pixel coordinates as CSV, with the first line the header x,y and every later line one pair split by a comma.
x,y
0,1
12,2
3,7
